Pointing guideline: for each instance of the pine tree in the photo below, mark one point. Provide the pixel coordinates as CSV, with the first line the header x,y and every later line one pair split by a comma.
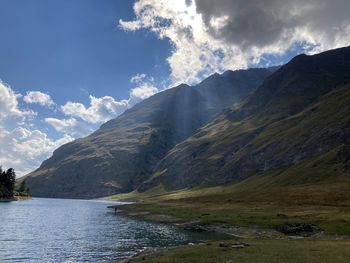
x,y
11,179
7,182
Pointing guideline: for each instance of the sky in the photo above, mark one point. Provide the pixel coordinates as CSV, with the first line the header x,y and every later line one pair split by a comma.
x,y
66,66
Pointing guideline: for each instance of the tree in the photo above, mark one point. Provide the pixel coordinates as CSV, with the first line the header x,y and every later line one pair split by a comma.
x,y
22,187
7,182
23,190
11,179
2,177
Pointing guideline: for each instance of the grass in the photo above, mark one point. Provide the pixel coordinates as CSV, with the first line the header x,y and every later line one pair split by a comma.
x,y
331,219
262,200
259,251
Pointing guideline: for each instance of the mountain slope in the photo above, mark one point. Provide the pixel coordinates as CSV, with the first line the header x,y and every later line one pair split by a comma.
x,y
299,112
124,151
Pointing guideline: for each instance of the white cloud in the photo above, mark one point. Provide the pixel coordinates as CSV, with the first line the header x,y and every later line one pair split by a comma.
x,y
38,97
22,147
105,108
70,126
138,78
9,103
25,149
143,91
100,109
130,25
210,37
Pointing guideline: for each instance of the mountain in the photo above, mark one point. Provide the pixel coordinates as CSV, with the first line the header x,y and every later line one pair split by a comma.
x,y
294,129
123,153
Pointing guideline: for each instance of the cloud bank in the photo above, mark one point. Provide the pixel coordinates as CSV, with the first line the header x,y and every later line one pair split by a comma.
x,y
213,36
25,149
22,147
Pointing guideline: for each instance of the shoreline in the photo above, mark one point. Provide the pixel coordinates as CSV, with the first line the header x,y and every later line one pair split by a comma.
x,y
235,231
15,198
247,251
238,237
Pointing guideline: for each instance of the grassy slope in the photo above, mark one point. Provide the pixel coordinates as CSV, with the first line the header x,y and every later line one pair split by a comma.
x,y
299,112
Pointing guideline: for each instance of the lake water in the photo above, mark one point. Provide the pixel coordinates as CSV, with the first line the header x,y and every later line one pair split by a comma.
x,y
62,230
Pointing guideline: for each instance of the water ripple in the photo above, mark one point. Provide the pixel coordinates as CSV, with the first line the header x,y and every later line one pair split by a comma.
x,y
58,230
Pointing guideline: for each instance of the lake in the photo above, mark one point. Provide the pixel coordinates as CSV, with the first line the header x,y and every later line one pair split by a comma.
x,y
64,230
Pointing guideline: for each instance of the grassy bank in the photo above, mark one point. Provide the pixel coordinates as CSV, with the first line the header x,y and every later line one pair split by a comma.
x,y
326,205
257,205
260,251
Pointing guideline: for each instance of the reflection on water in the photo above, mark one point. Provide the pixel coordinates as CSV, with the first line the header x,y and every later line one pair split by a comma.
x,y
62,230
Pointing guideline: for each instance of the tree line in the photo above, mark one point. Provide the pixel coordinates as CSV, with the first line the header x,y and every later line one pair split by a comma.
x,y
8,185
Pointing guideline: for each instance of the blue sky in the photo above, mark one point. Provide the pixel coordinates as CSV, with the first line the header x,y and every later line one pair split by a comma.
x,y
67,66
71,49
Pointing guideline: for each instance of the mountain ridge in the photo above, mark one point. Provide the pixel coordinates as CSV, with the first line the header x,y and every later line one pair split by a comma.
x,y
247,140
120,155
